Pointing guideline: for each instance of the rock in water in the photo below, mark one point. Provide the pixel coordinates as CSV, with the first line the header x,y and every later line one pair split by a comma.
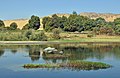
x,y
61,52
50,50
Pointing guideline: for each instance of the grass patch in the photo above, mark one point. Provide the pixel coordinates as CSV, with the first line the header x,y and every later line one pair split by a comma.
x,y
85,65
29,66
76,65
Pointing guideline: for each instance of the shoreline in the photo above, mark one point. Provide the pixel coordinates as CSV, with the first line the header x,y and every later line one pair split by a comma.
x,y
56,42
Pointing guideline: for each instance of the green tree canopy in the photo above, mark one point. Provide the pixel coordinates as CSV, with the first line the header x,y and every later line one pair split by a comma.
x,y
2,23
117,21
34,22
45,20
13,26
100,22
74,13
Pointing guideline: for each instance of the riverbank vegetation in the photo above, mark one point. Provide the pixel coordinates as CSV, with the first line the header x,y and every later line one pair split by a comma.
x,y
64,29
77,65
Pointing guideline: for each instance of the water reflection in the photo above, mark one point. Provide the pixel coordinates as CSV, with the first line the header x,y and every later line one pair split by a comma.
x,y
78,52
18,55
1,52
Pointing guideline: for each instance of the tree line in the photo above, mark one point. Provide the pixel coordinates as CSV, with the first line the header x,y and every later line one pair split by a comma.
x,y
80,23
72,23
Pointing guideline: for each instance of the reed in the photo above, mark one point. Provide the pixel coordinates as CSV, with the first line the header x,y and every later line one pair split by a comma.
x,y
76,65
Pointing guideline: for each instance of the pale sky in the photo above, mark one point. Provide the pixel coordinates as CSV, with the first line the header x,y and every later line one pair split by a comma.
x,y
15,9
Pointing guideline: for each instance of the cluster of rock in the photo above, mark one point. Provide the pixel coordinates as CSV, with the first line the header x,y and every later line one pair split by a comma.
x,y
50,50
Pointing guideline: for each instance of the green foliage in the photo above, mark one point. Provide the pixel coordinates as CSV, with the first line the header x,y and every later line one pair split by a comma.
x,y
34,22
45,20
76,65
71,24
117,26
13,26
40,36
117,29
117,21
56,33
28,34
2,23
74,13
90,35
26,27
54,22
81,23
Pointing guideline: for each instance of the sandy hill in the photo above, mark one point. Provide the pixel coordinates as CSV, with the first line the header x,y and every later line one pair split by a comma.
x,y
20,22
106,16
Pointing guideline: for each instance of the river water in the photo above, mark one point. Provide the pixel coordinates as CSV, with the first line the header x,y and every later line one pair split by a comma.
x,y
13,57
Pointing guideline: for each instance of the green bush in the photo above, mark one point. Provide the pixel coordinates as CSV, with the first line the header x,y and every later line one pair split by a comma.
x,y
40,36
23,36
90,35
56,33
13,26
28,34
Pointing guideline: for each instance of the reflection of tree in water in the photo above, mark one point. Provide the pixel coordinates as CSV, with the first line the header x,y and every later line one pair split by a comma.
x,y
54,60
34,52
14,51
1,52
91,51
116,51
78,52
34,55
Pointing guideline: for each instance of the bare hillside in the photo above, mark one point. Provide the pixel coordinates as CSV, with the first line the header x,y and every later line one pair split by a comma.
x,y
20,22
107,16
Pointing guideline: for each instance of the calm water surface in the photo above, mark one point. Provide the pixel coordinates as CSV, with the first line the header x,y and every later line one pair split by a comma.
x,y
12,57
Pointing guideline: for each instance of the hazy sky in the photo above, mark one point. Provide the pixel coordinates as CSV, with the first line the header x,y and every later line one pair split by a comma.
x,y
13,9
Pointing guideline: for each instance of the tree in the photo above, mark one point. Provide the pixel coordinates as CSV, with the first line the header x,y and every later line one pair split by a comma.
x,y
2,23
117,21
116,26
63,20
13,26
70,24
74,13
34,22
54,22
117,29
100,22
45,20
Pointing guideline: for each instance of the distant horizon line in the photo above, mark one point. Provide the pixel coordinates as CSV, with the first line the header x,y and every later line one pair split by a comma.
x,y
26,18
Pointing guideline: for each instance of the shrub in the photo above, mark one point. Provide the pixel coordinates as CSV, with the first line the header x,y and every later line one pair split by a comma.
x,y
90,35
56,33
39,36
23,36
28,33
